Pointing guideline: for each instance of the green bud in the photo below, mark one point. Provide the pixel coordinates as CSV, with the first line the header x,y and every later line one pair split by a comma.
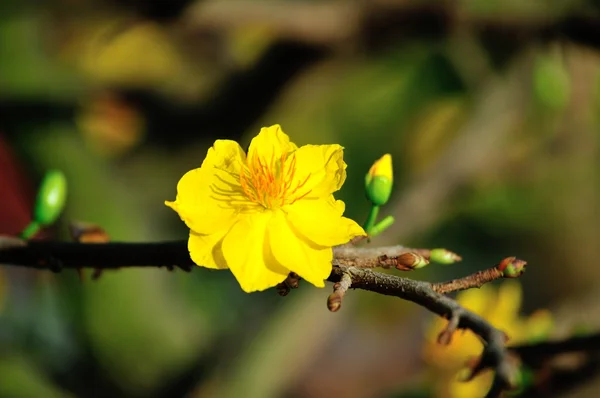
x,y
443,256
379,190
379,181
410,261
512,267
51,198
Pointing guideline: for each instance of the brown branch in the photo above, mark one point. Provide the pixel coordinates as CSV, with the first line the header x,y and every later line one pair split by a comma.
x,y
334,301
556,382
400,257
363,257
445,336
510,267
56,256
544,358
494,356
531,353
475,280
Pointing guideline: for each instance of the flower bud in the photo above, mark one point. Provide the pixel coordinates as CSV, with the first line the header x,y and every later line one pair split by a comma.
x,y
410,261
379,179
443,256
51,198
511,267
334,302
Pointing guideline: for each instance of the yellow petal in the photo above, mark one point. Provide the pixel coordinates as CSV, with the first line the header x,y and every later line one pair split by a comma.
x,y
538,325
471,389
323,165
504,311
311,262
207,197
205,250
320,221
382,167
270,143
246,254
477,300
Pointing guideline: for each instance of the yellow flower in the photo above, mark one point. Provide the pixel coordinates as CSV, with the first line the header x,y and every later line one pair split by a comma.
x,y
268,213
501,308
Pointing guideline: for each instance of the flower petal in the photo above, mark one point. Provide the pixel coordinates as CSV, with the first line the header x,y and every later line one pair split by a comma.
x,y
311,262
246,252
321,222
206,196
323,165
474,388
205,250
504,311
270,143
477,300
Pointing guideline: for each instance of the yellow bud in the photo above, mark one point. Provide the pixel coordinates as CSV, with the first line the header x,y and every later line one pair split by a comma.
x,y
383,168
379,179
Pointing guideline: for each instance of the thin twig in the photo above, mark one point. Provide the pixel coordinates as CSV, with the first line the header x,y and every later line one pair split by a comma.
x,y
475,280
334,301
362,256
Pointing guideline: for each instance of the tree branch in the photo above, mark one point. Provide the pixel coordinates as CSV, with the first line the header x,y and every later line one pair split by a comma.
x,y
476,280
55,256
494,355
530,353
552,376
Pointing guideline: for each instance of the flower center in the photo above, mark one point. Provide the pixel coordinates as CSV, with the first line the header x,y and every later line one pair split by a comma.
x,y
272,184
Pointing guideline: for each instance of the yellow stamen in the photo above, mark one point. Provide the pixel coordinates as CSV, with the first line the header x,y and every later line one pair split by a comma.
x,y
271,184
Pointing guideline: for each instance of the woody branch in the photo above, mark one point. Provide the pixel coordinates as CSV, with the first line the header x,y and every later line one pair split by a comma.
x,y
351,271
55,256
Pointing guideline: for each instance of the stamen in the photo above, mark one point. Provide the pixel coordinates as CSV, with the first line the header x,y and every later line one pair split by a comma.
x,y
272,183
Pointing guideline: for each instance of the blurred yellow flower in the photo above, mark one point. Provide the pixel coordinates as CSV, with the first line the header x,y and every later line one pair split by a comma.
x,y
501,308
268,213
126,54
110,125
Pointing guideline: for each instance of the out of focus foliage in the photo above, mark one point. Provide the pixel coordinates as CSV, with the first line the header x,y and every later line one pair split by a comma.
x,y
494,137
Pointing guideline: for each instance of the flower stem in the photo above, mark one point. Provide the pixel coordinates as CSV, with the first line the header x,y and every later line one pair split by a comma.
x,y
371,219
31,230
381,226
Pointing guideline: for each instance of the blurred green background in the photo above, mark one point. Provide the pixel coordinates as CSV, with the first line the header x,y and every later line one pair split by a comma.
x,y
489,108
